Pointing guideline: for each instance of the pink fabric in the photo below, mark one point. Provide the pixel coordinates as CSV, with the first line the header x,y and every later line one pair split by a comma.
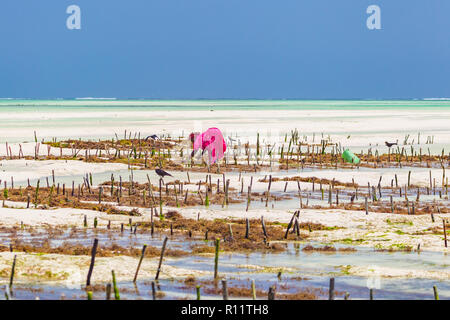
x,y
211,140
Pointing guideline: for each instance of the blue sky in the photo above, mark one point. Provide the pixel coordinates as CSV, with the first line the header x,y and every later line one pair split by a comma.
x,y
188,49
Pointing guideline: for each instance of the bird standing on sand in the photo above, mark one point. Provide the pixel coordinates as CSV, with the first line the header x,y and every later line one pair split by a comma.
x,y
153,137
162,173
390,144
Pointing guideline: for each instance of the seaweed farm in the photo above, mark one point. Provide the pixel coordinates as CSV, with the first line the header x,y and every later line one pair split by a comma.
x,y
285,216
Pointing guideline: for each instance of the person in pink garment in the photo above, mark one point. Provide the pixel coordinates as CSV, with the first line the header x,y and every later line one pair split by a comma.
x,y
212,141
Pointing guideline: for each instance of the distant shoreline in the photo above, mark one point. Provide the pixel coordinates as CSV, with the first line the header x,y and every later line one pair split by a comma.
x,y
228,104
222,99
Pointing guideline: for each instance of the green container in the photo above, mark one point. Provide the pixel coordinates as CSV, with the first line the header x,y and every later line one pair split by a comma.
x,y
350,157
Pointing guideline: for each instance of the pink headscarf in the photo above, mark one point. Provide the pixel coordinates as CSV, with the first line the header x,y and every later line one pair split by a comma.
x,y
213,141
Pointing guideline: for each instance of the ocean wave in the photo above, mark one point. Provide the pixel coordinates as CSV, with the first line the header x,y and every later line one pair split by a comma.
x,y
92,98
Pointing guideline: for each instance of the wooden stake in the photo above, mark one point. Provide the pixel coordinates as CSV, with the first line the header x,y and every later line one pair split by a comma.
x,y
161,258
224,289
445,233
198,292
13,270
116,289
160,198
263,227
331,289
268,190
290,223
226,191
91,267
249,197
216,259
436,294
409,178
271,294
247,228
108,291
297,227
253,290
366,205
231,232
139,264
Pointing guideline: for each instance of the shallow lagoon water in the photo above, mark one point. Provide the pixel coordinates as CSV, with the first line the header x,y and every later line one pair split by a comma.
x,y
304,270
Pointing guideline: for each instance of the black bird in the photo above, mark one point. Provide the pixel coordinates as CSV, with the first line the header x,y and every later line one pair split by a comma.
x,y
153,137
162,173
390,144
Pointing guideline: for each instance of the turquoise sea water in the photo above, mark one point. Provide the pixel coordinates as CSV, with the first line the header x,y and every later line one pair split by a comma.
x,y
223,104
